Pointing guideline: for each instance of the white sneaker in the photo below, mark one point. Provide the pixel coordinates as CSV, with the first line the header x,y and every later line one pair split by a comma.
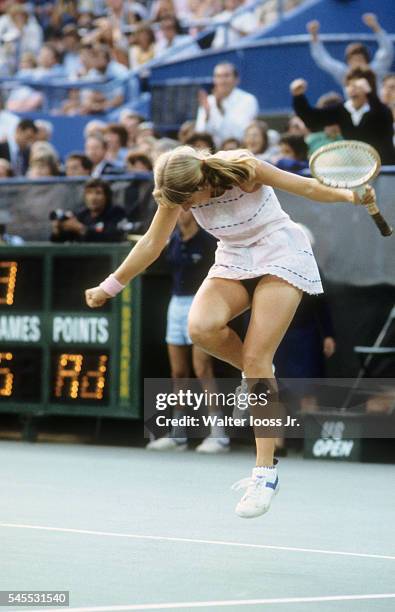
x,y
211,445
167,444
262,486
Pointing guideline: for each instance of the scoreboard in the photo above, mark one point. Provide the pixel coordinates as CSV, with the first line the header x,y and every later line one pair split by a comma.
x,y
57,356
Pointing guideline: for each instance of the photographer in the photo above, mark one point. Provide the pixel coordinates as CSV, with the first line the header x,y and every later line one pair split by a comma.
x,y
97,221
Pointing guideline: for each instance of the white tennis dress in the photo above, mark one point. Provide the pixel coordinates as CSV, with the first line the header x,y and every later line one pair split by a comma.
x,y
257,237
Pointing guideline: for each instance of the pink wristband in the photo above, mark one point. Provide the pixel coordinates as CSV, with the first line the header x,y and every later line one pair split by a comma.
x,y
111,286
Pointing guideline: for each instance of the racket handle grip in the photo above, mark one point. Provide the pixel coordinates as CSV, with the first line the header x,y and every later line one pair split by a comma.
x,y
377,217
385,229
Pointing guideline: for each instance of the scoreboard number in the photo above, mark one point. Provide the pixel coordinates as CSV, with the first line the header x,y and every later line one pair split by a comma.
x,y
75,380
6,376
8,272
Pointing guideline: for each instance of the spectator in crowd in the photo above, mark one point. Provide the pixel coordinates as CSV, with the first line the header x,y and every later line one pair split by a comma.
x,y
147,144
48,63
186,130
78,164
230,144
62,13
387,94
16,149
198,11
130,120
96,151
44,130
72,104
97,221
293,153
190,253
201,140
19,32
162,8
104,68
8,121
137,162
116,138
27,62
330,133
86,58
261,141
170,37
239,25
357,55
269,11
71,41
362,117
162,146
297,126
139,204
6,170
145,128
42,166
93,127
25,98
122,14
228,110
42,148
143,48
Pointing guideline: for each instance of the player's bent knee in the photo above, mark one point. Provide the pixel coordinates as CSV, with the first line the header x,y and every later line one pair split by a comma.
x,y
201,331
197,332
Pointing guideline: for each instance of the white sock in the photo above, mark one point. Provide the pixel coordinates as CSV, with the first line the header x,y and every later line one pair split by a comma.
x,y
264,470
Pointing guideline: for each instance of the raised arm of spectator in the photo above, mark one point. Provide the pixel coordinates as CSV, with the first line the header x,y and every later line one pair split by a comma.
x,y
314,118
321,56
384,56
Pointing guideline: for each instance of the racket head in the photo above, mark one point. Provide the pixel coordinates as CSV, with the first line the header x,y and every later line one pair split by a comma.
x,y
345,164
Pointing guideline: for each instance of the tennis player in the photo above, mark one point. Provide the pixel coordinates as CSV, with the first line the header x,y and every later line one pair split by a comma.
x,y
263,261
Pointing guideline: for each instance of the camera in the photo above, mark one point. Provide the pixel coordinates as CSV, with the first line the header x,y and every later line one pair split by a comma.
x,y
60,215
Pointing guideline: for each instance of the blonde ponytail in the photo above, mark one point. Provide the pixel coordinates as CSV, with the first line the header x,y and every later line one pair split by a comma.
x,y
226,169
181,172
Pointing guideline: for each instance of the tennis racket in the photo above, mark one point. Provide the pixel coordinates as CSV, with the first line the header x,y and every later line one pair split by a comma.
x,y
350,164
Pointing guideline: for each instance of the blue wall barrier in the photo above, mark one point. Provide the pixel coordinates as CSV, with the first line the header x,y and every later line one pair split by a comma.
x,y
267,67
270,60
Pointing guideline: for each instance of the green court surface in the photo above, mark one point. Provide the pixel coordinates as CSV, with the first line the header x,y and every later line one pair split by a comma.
x,y
125,529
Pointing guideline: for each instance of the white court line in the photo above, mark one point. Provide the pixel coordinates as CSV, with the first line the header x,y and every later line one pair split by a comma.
x,y
134,536
224,603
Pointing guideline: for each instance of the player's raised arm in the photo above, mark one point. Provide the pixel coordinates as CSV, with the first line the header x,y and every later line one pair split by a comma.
x,y
146,251
310,188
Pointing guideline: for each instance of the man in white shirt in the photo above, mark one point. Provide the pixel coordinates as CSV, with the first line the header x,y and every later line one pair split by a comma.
x,y
228,110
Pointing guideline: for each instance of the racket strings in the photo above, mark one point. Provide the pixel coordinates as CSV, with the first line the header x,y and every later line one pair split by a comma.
x,y
345,166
